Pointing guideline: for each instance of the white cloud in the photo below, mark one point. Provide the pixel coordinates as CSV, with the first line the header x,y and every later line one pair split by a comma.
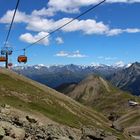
x,y
44,12
29,38
68,6
62,54
59,40
88,26
134,30
123,1
38,23
20,17
113,32
73,6
35,23
75,54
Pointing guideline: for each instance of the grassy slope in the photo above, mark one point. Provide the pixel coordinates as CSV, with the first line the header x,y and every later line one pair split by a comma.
x,y
102,96
27,95
107,99
131,119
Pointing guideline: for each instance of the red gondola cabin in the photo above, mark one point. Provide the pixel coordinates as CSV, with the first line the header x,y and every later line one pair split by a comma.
x,y
22,59
2,59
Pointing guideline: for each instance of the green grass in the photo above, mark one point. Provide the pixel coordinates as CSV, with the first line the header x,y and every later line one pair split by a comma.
x,y
131,119
25,96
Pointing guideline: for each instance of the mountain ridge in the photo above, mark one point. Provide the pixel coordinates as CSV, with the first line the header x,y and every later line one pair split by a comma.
x,y
94,89
100,95
128,79
54,76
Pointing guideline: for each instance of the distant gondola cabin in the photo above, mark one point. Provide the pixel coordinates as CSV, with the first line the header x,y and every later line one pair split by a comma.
x,y
10,64
22,59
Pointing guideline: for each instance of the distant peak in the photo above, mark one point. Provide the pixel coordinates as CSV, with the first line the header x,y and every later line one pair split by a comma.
x,y
136,64
98,65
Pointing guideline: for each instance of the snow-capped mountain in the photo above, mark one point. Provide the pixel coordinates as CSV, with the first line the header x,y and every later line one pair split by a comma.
x,y
128,79
121,64
56,75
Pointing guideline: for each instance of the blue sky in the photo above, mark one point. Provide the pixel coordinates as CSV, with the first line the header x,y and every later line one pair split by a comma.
x,y
107,35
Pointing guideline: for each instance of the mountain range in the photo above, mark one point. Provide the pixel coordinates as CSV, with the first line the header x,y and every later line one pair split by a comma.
x,y
55,75
128,79
125,77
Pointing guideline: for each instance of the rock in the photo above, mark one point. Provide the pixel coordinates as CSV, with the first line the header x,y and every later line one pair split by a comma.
x,y
31,120
2,132
113,116
11,130
90,137
17,121
15,127
29,138
7,106
91,133
18,133
49,138
7,138
71,138
63,138
110,138
5,111
61,132
40,136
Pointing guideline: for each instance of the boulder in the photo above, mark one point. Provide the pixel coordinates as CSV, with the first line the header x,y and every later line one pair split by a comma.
x,y
31,120
2,132
12,131
7,138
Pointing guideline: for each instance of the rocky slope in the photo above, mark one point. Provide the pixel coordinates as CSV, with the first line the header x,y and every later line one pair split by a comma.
x,y
100,95
18,125
128,79
62,117
96,92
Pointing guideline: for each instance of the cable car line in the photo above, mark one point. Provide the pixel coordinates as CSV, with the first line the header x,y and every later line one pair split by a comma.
x,y
23,58
77,17
11,24
6,51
